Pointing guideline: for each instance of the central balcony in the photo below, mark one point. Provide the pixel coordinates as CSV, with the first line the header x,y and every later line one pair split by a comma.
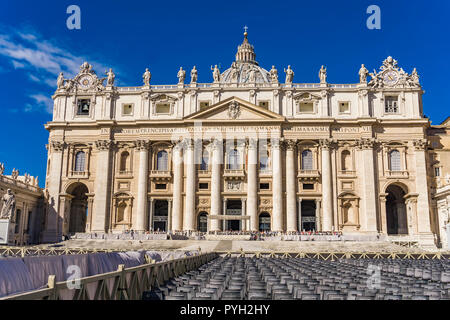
x,y
234,174
160,175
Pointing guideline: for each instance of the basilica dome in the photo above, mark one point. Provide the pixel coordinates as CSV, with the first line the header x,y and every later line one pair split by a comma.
x,y
245,69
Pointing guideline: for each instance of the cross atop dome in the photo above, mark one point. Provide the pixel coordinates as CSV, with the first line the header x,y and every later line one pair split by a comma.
x,y
246,52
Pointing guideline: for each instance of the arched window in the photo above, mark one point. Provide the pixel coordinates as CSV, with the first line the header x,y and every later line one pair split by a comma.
x,y
234,160
346,160
205,160
80,161
124,163
264,222
263,160
394,161
162,161
307,160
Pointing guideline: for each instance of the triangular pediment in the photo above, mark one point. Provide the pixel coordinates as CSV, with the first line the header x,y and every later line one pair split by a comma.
x,y
235,109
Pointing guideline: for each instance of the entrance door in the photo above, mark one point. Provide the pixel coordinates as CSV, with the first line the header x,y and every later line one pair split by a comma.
x,y
234,207
160,217
308,215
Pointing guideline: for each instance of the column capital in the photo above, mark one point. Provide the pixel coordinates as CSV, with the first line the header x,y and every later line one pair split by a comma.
x,y
216,144
103,145
188,143
57,146
252,144
366,143
291,144
142,145
326,143
276,143
420,144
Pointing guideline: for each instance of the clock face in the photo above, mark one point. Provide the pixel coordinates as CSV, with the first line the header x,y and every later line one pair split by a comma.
x,y
85,81
390,78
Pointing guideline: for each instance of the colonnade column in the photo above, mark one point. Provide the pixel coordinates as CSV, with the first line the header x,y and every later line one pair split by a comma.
x,y
327,192
318,227
252,188
169,222
277,186
150,215
143,149
177,212
101,186
189,212
244,221
224,212
217,159
300,226
290,187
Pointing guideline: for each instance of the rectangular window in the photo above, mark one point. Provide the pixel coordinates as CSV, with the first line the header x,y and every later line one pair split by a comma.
x,y
204,105
161,186
264,186
344,107
203,186
437,172
307,107
391,104
163,108
264,104
308,186
127,109
83,107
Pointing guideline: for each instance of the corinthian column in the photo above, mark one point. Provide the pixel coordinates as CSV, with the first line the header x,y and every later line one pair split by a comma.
x,y
290,187
252,189
143,149
177,211
277,186
189,212
101,186
369,189
327,193
217,149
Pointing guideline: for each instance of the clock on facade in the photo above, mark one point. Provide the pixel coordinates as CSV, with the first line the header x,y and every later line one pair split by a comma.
x,y
85,81
390,78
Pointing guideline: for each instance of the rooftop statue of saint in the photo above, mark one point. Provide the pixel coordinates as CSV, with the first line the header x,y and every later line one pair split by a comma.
x,y
194,75
363,72
111,77
147,76
60,81
323,75
8,205
289,75
216,74
181,75
273,75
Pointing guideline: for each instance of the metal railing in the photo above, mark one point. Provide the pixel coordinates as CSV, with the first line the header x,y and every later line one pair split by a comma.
x,y
123,284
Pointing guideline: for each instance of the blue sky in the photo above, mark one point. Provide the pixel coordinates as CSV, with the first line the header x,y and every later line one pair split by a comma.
x,y
35,45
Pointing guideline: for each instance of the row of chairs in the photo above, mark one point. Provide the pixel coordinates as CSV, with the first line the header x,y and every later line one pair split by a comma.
x,y
239,278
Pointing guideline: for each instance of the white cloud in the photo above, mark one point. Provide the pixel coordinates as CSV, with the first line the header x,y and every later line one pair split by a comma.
x,y
43,60
41,102
17,64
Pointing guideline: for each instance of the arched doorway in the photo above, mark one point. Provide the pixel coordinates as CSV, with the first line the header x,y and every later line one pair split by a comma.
x,y
202,223
161,215
396,219
264,222
78,208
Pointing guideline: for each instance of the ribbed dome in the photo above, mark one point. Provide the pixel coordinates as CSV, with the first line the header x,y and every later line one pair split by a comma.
x,y
245,69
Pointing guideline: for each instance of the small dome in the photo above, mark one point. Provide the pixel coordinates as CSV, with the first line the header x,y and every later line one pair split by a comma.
x,y
245,69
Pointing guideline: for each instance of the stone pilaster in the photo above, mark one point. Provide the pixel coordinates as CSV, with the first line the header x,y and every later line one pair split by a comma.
x,y
101,186
423,207
143,149
216,177
291,224
318,220
252,181
327,190
277,186
51,232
